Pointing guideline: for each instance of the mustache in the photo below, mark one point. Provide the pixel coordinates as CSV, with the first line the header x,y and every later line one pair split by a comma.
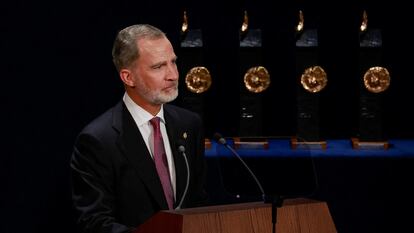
x,y
173,84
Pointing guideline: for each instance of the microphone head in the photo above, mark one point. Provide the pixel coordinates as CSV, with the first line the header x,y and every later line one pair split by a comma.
x,y
220,139
180,145
181,148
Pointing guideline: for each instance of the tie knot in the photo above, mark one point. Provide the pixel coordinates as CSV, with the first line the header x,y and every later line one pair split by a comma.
x,y
155,122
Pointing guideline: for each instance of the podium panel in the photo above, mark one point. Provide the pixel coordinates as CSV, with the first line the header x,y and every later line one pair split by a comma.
x,y
295,216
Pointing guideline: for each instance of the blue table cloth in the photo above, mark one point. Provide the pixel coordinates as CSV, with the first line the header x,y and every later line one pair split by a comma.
x,y
335,148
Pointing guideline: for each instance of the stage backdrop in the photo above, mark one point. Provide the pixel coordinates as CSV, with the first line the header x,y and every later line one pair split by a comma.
x,y
57,75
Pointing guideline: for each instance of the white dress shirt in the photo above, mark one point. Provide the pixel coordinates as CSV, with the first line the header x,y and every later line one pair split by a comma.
x,y
142,118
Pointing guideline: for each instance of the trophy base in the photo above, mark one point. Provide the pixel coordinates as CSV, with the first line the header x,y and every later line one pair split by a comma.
x,y
356,144
207,143
295,144
251,143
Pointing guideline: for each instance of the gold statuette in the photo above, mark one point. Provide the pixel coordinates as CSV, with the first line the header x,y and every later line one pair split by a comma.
x,y
377,79
257,79
314,79
198,79
301,22
245,24
184,26
364,23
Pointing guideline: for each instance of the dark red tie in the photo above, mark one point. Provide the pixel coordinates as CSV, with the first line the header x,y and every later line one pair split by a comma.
x,y
160,159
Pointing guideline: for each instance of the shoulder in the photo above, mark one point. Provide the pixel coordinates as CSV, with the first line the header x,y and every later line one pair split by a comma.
x,y
105,123
180,113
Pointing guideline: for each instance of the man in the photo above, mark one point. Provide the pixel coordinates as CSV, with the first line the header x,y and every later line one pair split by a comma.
x,y
126,167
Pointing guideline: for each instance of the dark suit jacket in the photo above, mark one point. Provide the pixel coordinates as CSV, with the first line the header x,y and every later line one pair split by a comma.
x,y
114,180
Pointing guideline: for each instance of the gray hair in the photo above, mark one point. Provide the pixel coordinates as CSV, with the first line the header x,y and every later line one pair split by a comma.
x,y
125,49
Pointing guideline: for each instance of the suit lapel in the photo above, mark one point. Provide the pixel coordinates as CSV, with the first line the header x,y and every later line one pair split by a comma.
x,y
134,148
174,130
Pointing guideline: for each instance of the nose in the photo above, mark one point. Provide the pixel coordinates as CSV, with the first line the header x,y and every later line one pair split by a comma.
x,y
172,72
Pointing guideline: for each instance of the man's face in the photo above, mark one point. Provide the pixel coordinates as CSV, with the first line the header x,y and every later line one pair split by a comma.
x,y
155,72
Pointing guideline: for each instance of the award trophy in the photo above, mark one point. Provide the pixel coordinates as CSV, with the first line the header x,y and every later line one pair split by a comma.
x,y
198,79
256,80
313,79
375,80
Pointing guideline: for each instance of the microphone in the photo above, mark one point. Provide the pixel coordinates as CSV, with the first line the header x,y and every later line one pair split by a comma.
x,y
181,150
220,139
276,200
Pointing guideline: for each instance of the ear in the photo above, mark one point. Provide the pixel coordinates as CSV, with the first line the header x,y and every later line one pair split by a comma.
x,y
126,77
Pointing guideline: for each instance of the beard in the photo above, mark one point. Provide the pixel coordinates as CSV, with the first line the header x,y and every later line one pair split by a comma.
x,y
157,96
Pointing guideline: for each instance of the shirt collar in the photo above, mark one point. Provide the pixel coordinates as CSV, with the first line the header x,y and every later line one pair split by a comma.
x,y
140,115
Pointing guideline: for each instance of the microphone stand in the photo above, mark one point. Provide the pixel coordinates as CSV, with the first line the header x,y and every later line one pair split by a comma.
x,y
181,149
276,202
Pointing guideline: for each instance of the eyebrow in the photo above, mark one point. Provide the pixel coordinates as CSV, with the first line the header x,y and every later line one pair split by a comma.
x,y
163,62
158,64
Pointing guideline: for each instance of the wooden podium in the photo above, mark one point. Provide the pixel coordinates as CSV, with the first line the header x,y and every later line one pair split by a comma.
x,y
295,216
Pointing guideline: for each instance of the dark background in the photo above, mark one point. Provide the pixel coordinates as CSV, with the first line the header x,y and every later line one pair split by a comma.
x,y
57,75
